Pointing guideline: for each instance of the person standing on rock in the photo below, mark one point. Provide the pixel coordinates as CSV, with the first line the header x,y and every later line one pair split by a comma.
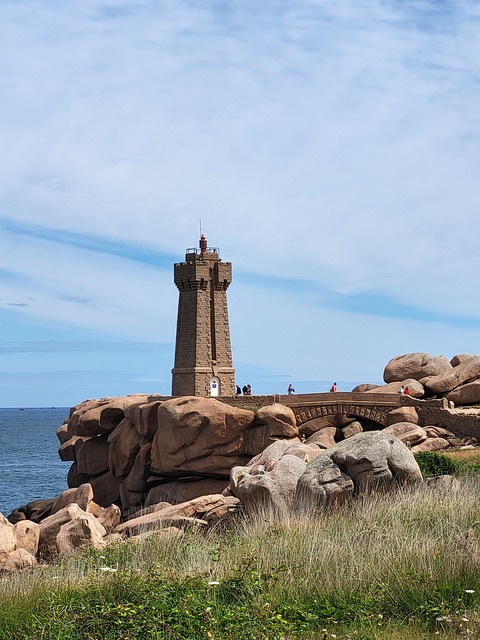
x,y
333,388
401,391
245,390
290,389
407,391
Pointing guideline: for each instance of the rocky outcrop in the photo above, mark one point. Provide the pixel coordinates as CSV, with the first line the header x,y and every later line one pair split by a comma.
x,y
465,394
403,414
139,450
410,434
416,366
365,462
466,371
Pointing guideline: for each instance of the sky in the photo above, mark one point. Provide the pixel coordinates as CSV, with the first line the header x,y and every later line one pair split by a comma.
x,y
329,147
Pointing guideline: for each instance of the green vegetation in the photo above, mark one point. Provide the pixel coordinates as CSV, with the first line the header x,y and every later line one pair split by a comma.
x,y
405,565
455,463
432,463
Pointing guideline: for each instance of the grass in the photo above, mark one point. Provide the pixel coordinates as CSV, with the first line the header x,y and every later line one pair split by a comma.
x,y
404,565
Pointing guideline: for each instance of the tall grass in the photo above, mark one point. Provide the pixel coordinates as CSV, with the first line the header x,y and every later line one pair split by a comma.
x,y
388,566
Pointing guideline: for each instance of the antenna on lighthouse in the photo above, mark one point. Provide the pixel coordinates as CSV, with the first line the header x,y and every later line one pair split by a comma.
x,y
200,220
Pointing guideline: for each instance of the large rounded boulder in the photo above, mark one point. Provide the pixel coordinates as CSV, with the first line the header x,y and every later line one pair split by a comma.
x,y
464,372
416,366
200,436
365,462
465,394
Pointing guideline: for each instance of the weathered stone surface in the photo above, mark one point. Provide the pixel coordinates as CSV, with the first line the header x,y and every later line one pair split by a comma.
x,y
464,372
196,508
50,527
280,421
317,424
82,496
367,461
106,489
27,535
125,443
16,561
410,434
325,438
68,450
156,521
144,417
200,436
271,485
182,490
103,417
108,517
7,535
84,418
81,409
352,429
231,506
402,414
361,388
461,357
466,394
431,444
416,366
92,456
74,478
64,433
36,511
83,531
416,388
453,439
134,489
281,448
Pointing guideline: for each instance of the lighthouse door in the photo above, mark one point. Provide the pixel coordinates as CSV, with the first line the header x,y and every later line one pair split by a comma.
x,y
214,386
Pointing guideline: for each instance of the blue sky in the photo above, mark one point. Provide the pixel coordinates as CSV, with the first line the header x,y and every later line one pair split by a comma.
x,y
331,149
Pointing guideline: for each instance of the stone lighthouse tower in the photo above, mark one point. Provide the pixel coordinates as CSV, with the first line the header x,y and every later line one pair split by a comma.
x,y
203,354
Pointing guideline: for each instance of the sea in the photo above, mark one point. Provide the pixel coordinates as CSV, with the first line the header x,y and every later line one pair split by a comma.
x,y
30,467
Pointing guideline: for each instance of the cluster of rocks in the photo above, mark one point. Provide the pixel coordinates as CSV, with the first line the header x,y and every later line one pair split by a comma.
x,y
76,522
137,451
403,423
143,463
286,475
428,376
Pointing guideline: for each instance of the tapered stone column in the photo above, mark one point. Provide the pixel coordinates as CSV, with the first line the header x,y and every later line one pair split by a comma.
x,y
203,353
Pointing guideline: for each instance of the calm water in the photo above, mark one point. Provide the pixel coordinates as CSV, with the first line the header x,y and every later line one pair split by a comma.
x,y
29,464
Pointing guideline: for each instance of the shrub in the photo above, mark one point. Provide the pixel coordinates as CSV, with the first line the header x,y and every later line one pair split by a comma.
x,y
432,463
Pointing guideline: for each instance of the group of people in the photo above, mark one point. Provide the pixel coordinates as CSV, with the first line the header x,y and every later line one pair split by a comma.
x,y
246,390
405,391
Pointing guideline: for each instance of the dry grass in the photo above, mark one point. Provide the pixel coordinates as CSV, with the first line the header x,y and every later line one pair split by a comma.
x,y
391,561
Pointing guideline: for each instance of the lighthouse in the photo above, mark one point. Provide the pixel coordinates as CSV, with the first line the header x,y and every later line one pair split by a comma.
x,y
203,352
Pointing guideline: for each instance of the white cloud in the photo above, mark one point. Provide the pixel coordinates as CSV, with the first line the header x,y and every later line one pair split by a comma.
x,y
335,142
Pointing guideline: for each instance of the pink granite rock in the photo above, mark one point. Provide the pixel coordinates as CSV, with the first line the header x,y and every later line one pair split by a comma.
x,y
199,436
416,366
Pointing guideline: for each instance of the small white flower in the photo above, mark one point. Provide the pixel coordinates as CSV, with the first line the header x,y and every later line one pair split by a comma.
x,y
469,590
213,582
107,569
465,620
